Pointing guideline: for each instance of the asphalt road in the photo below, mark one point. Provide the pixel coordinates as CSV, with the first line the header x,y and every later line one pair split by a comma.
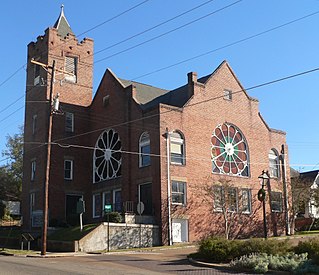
x,y
167,261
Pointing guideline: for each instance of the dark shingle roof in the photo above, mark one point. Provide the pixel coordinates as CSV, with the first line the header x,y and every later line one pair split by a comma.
x,y
144,93
62,25
148,96
311,175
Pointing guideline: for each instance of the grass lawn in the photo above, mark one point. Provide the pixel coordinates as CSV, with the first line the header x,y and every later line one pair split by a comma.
x,y
312,232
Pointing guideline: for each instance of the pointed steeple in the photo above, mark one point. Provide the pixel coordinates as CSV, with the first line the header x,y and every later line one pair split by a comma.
x,y
62,24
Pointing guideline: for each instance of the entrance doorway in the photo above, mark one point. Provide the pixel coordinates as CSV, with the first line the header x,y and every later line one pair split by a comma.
x,y
145,196
72,217
179,230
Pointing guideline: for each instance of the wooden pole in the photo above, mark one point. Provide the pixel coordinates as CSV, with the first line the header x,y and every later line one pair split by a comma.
x,y
47,171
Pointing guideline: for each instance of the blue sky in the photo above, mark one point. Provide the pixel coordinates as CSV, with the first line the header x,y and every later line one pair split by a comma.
x,y
290,105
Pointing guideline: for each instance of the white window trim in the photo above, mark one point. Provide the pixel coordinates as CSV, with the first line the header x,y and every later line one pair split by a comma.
x,y
142,145
236,197
68,77
228,95
181,142
93,208
275,165
71,169
249,200
281,202
221,191
184,195
67,128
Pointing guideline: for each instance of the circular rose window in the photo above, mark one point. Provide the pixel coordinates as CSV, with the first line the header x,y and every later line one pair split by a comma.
x,y
229,151
107,157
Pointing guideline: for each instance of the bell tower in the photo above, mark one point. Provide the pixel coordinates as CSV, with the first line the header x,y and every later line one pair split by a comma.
x,y
73,80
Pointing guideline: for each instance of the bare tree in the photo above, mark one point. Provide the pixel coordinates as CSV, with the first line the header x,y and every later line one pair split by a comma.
x,y
228,200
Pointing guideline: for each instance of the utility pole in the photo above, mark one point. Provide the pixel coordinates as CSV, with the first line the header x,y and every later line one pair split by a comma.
x,y
47,170
51,110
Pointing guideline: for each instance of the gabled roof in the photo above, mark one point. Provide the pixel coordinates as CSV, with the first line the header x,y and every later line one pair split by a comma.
x,y
144,93
62,24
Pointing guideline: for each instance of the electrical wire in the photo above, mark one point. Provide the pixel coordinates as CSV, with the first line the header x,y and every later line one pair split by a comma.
x,y
152,28
168,32
172,108
227,45
93,28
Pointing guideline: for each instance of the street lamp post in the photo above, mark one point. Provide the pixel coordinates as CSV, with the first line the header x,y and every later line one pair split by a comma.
x,y
263,178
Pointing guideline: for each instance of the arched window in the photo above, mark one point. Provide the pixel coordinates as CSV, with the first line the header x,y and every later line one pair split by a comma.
x,y
273,163
177,149
107,158
144,150
229,151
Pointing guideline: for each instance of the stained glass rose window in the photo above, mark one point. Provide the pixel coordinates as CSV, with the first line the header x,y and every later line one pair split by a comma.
x,y
107,158
229,151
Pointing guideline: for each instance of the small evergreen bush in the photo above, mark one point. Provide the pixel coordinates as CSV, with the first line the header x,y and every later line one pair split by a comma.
x,y
113,217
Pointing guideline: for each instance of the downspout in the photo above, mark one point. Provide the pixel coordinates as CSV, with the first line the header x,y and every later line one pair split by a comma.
x,y
168,188
283,168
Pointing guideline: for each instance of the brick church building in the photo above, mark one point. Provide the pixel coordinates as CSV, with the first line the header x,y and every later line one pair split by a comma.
x,y
192,155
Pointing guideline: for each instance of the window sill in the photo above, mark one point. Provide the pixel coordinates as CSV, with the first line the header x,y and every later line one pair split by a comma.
x,y
140,166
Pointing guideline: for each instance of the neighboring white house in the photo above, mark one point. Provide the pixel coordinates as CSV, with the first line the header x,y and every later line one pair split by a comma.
x,y
311,210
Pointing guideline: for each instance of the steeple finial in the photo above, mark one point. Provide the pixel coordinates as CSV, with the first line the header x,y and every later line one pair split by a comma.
x,y
62,24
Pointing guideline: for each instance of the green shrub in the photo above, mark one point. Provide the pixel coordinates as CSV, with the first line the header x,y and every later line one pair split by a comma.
x,y
218,249
113,217
222,250
311,247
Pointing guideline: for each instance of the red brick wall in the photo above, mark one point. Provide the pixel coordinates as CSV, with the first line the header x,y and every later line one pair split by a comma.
x,y
197,123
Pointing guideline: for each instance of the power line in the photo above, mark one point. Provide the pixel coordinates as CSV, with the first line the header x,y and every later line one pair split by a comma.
x,y
193,104
168,32
95,27
154,27
227,45
112,18
66,146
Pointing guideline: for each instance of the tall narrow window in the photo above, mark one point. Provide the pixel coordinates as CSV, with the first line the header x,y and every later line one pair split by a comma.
x,y
33,168
36,74
117,200
97,205
246,201
68,169
107,200
144,150
232,199
273,163
71,68
178,192
69,122
34,123
218,198
276,201
32,202
177,148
